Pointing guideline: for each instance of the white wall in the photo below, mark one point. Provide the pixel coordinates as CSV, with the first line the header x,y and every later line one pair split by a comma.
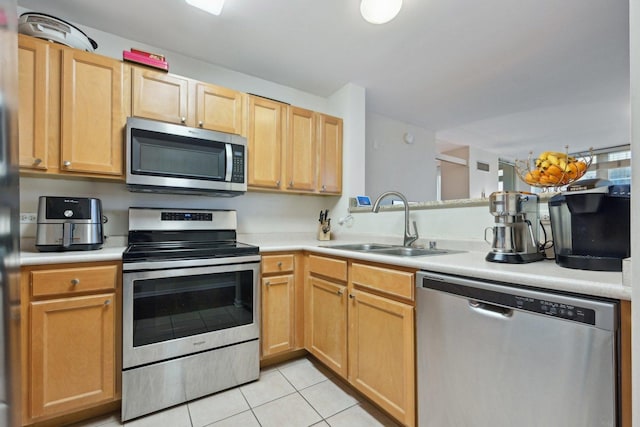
x,y
482,182
454,178
392,164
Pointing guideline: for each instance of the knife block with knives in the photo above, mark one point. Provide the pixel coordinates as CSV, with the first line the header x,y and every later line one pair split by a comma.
x,y
324,228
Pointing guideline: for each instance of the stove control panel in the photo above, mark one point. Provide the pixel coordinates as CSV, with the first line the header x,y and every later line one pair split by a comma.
x,y
186,216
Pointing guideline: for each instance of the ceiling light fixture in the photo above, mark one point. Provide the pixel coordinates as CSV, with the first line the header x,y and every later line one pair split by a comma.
x,y
212,6
380,11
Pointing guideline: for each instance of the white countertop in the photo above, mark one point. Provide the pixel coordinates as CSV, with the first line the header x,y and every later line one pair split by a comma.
x,y
543,274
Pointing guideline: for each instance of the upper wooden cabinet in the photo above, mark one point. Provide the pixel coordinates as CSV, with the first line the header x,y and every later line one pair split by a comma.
x,y
159,96
175,99
265,143
292,149
301,150
92,113
330,157
72,111
218,108
33,113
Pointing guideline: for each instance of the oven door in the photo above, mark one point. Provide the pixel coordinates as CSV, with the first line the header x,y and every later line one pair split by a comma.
x,y
169,313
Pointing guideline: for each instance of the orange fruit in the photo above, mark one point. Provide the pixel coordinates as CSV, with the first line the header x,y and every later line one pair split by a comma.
x,y
555,171
572,170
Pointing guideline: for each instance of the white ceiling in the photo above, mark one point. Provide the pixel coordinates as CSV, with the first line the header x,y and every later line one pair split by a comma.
x,y
509,76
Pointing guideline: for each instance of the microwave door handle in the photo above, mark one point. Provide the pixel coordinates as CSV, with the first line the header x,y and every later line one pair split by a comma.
x,y
229,152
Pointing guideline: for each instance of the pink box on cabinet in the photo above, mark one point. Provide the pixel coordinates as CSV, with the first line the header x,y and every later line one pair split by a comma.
x,y
145,60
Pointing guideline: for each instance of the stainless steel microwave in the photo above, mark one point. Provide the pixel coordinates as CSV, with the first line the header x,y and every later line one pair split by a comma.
x,y
169,158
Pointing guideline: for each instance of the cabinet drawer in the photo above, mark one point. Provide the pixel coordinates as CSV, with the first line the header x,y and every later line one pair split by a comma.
x,y
277,263
329,267
394,282
73,280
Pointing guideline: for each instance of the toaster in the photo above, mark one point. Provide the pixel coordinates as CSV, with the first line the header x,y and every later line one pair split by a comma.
x,y
69,224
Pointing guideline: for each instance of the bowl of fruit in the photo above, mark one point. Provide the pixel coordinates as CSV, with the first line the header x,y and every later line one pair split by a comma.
x,y
553,169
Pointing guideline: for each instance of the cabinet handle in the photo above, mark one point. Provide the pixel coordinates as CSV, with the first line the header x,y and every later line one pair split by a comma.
x,y
66,163
36,162
183,120
75,282
340,292
200,123
352,296
107,302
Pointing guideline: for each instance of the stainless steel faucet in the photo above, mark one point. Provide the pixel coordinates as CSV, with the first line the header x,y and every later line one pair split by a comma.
x,y
408,237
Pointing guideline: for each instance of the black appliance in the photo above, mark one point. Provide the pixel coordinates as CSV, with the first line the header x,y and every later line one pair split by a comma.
x,y
590,222
191,308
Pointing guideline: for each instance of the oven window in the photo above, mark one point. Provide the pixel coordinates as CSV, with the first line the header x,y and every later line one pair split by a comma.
x,y
175,307
154,153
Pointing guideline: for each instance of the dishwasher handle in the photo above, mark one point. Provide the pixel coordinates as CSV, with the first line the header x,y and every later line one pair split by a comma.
x,y
490,309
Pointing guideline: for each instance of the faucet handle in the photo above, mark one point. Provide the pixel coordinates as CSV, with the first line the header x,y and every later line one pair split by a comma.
x,y
415,228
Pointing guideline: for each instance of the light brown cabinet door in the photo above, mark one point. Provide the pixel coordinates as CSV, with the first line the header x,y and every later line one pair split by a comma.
x,y
381,353
330,161
218,108
301,150
326,323
72,353
159,96
92,137
33,91
278,310
264,143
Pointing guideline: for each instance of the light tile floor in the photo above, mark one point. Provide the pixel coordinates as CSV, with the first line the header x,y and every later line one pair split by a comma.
x,y
298,393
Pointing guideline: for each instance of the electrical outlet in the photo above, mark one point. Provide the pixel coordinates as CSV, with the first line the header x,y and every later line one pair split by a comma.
x,y
28,218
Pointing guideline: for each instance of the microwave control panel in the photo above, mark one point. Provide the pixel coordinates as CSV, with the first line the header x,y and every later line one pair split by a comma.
x,y
237,171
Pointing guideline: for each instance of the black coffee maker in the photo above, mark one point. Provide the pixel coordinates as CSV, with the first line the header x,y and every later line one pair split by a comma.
x,y
590,222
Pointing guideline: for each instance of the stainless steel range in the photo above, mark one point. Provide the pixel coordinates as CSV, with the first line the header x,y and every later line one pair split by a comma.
x,y
190,308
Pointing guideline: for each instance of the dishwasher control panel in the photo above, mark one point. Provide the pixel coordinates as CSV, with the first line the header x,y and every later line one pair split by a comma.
x,y
526,300
555,309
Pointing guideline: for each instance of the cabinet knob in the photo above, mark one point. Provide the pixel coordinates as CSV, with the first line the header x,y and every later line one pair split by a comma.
x,y
279,264
324,187
278,183
340,292
107,302
352,296
36,162
75,282
291,183
66,163
183,120
200,123
267,283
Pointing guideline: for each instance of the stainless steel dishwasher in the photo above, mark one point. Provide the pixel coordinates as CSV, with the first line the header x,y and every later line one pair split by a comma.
x,y
490,354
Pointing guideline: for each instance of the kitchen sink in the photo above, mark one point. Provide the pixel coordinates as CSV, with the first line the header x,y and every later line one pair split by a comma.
x,y
410,251
384,249
362,247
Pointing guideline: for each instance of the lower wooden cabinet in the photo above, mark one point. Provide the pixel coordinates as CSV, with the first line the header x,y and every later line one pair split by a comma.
x,y
281,295
71,339
359,321
381,353
72,353
326,323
